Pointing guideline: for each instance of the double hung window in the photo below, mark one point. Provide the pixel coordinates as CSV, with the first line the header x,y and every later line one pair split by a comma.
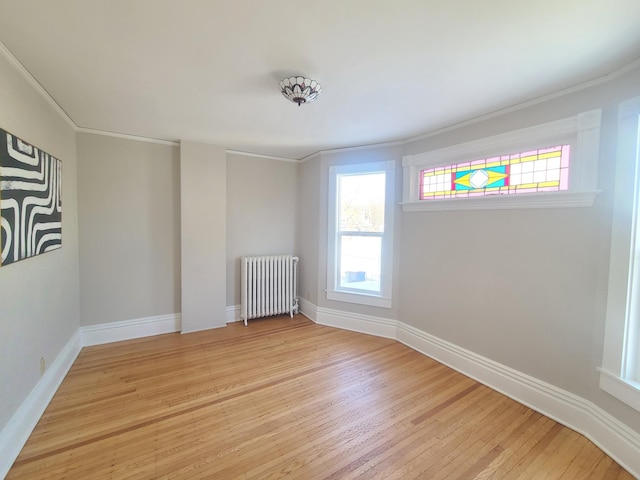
x,y
620,371
360,247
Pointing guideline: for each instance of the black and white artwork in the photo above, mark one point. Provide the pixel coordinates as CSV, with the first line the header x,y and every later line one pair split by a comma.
x,y
30,200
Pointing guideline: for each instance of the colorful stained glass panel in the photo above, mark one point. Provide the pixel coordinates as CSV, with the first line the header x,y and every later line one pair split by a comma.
x,y
543,170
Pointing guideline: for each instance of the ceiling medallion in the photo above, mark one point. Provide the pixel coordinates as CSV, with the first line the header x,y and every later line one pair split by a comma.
x,y
300,90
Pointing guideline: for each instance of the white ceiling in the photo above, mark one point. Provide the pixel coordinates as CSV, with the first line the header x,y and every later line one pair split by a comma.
x,y
208,70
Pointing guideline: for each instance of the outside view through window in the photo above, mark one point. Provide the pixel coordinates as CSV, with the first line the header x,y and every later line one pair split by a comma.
x,y
361,225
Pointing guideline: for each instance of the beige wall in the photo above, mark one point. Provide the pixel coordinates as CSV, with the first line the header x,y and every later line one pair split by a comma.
x,y
526,288
129,210
261,212
124,280
325,161
203,207
308,222
39,296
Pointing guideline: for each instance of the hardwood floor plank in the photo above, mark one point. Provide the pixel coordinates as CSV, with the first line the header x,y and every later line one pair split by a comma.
x,y
287,398
518,446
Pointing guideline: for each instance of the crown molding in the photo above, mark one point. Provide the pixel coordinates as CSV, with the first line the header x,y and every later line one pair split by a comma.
x,y
126,136
4,51
565,91
313,155
503,111
259,155
529,103
394,143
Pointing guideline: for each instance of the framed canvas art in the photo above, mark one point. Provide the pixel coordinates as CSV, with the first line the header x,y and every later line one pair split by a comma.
x,y
30,200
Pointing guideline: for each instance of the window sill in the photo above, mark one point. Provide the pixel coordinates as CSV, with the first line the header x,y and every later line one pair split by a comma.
x,y
359,298
624,390
502,202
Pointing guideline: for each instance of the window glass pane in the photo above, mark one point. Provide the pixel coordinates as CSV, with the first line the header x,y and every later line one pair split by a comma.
x,y
544,170
360,262
361,202
633,321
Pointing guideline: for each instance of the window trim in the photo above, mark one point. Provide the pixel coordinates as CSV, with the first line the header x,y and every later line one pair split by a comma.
x,y
582,132
333,291
620,373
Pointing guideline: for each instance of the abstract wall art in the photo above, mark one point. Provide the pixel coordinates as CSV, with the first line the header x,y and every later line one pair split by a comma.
x,y
30,200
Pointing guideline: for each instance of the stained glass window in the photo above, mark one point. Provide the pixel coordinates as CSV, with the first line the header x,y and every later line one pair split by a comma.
x,y
543,170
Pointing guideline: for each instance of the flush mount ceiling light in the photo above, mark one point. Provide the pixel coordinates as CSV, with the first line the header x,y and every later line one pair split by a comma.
x,y
300,90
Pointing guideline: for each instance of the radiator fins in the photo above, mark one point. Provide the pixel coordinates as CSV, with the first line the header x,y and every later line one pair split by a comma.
x,y
268,286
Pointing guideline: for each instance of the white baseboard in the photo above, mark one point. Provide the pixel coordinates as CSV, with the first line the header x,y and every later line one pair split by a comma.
x,y
233,313
380,327
16,432
612,436
308,309
616,439
130,329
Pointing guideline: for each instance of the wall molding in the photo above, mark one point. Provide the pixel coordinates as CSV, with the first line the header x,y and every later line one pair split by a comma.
x,y
504,202
130,329
581,132
30,79
259,155
607,77
308,309
611,435
378,326
233,313
608,433
16,432
127,136
355,148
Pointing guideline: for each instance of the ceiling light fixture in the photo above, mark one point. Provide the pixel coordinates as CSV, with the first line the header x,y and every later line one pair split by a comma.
x,y
300,90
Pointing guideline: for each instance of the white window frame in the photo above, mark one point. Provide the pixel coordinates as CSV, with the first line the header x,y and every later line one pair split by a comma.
x,y
334,291
581,132
620,370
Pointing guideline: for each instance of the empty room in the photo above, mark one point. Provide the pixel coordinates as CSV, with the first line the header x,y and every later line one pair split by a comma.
x,y
350,239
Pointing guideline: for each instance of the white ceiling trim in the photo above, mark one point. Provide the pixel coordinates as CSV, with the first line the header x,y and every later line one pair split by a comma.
x,y
126,136
575,88
519,106
259,155
529,103
352,149
35,84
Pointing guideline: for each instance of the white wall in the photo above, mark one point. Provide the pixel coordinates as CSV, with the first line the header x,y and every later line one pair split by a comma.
x,y
39,296
203,209
261,212
129,211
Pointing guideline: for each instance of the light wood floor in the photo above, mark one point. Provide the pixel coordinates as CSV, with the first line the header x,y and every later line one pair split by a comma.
x,y
288,398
